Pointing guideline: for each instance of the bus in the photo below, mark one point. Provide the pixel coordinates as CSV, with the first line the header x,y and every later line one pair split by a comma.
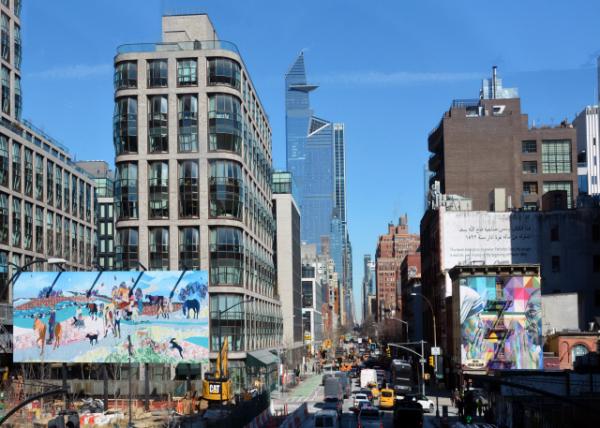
x,y
402,376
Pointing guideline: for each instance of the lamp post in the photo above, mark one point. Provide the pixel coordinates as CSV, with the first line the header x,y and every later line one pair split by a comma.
x,y
437,407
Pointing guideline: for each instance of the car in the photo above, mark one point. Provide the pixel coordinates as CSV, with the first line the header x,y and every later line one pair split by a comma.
x,y
386,399
359,405
327,419
369,417
359,396
368,392
332,403
425,402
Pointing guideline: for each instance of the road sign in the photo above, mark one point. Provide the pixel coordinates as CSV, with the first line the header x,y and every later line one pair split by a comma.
x,y
436,350
422,360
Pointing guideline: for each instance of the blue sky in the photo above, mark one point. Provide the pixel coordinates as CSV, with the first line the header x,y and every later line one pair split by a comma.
x,y
387,69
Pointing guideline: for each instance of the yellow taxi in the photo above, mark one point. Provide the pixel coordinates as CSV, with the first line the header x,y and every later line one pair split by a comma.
x,y
375,392
386,398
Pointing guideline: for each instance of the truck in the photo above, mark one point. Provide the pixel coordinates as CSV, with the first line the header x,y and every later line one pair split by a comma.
x,y
368,377
333,389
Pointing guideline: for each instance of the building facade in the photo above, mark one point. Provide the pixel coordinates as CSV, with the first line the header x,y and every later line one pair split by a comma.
x,y
391,250
368,291
475,136
289,267
193,178
47,207
588,147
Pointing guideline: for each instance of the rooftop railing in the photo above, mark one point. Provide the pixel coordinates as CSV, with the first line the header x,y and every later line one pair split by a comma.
x,y
178,46
464,103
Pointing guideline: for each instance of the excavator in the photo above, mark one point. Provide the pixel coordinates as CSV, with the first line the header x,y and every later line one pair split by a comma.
x,y
217,388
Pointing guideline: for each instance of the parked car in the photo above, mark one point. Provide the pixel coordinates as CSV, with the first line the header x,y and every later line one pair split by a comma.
x,y
425,402
327,419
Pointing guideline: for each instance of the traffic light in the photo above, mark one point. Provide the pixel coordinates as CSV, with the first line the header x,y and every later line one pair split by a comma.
x,y
431,362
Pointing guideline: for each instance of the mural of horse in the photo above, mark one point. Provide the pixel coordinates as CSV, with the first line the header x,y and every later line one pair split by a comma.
x,y
189,306
93,310
40,328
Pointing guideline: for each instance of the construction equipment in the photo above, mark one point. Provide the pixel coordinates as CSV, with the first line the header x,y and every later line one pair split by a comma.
x,y
217,388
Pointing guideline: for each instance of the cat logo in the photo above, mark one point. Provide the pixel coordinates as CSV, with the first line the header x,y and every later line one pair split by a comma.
x,y
214,388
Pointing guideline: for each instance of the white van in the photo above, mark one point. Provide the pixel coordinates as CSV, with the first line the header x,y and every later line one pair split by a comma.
x,y
327,419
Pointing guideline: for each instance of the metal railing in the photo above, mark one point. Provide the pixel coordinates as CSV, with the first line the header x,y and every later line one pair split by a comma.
x,y
178,46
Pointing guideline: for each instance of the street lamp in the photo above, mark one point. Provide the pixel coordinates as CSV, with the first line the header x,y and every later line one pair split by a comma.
x,y
437,407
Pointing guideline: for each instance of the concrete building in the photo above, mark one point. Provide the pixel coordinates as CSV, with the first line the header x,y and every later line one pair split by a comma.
x,y
289,267
412,306
368,291
588,147
46,201
193,180
315,298
391,250
104,179
485,144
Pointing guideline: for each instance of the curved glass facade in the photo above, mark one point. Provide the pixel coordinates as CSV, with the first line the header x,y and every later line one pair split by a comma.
x,y
158,124
187,135
158,190
189,248
224,123
158,248
157,73
126,191
224,71
226,256
125,75
226,186
189,189
127,248
125,135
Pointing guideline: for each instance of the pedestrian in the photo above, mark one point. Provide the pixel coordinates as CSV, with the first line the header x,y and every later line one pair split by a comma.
x,y
305,370
459,406
479,407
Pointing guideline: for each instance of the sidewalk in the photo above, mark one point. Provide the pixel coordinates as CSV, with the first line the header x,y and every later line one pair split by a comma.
x,y
306,390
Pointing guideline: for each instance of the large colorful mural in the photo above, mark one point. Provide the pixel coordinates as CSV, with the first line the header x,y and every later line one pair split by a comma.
x,y
500,322
101,317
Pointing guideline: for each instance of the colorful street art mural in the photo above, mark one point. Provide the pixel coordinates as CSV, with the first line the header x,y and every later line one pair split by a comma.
x,y
501,322
90,317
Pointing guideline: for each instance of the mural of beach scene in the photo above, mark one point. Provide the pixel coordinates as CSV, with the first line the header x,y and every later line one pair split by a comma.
x,y
73,317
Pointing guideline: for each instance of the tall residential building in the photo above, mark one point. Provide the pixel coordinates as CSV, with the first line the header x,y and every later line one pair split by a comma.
x,y
485,144
47,204
193,180
368,286
588,147
289,266
391,250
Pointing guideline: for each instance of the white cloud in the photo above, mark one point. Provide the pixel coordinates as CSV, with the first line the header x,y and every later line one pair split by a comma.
x,y
396,77
74,71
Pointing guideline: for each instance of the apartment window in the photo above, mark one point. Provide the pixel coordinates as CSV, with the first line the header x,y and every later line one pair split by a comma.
x,y
126,191
75,205
158,248
125,125
189,248
224,123
125,75
127,249
231,323
50,233
596,263
188,189
555,264
16,222
554,235
158,122
560,185
188,123
18,98
530,187
59,188
158,189
595,232
226,189
5,90
224,71
39,178
4,162
530,167
17,45
157,73
59,235
28,227
88,202
17,7
529,146
556,156
187,72
28,172
39,229
226,256
16,167
3,218
5,37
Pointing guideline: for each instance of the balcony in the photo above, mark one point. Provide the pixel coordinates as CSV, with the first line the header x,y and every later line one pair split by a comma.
x,y
178,47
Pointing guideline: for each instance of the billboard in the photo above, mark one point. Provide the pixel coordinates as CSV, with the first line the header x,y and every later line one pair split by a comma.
x,y
76,317
489,238
500,322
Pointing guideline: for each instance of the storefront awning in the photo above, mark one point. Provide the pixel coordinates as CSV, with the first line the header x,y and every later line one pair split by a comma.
x,y
261,358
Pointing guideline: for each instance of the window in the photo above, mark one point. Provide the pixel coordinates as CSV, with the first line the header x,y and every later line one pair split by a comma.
x,y
18,99
226,189
187,72
3,218
224,71
5,37
17,7
158,248
39,178
157,73
17,47
125,75
596,263
126,191
578,351
59,236
5,90
556,156
158,189
58,181
594,179
555,264
188,189
16,166
530,167
189,248
530,187
39,229
158,132
127,249
226,256
187,137
75,205
224,123
554,235
529,146
560,185
4,163
125,125
16,222
231,326
28,172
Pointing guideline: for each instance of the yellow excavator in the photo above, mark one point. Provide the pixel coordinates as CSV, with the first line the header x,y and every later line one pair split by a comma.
x,y
217,387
